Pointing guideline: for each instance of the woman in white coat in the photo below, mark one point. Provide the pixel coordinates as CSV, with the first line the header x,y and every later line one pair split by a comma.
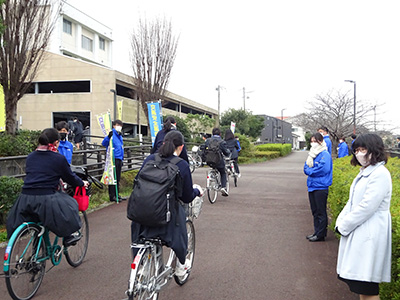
x,y
365,248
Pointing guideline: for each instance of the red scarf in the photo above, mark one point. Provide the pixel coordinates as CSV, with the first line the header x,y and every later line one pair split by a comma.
x,y
49,147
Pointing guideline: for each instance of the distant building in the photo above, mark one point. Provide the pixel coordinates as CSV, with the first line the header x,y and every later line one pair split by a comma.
x,y
77,79
276,131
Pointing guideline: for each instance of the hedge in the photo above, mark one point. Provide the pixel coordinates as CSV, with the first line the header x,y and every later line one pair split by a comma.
x,y
283,149
23,143
343,175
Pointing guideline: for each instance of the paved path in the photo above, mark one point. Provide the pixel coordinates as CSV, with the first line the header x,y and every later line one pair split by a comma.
x,y
250,245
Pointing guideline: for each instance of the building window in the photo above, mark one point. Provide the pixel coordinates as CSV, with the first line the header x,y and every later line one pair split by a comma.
x,y
67,26
59,87
87,43
102,43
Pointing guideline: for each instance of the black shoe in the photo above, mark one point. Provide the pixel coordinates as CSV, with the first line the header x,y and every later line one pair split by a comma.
x,y
310,236
316,239
113,199
122,198
72,239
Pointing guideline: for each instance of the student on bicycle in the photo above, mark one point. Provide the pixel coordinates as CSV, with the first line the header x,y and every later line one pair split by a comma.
x,y
216,135
174,234
233,146
40,199
168,125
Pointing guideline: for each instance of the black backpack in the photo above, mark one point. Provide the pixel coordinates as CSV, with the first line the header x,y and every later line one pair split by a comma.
x,y
155,189
213,153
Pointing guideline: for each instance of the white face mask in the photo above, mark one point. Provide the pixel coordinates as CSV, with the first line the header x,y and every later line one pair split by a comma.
x,y
314,144
118,128
363,159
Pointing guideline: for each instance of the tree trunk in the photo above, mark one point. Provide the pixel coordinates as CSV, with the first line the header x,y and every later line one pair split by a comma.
x,y
11,115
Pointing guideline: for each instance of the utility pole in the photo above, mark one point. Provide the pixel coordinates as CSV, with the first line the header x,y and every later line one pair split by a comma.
x,y
244,98
219,102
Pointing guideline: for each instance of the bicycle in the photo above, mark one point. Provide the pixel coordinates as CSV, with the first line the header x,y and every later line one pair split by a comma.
x,y
149,274
214,184
195,160
31,245
230,169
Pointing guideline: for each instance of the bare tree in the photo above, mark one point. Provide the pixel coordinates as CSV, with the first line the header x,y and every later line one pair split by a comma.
x,y
28,25
335,111
152,57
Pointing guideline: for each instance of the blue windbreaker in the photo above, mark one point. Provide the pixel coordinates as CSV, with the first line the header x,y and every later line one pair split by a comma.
x,y
117,143
66,148
320,175
343,150
328,143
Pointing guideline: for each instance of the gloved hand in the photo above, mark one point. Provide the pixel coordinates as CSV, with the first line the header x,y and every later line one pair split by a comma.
x,y
198,187
110,134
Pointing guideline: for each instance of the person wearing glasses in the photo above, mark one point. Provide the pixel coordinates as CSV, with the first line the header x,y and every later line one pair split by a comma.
x,y
365,226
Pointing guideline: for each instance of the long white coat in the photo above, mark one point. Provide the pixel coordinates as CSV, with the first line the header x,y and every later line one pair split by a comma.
x,y
365,247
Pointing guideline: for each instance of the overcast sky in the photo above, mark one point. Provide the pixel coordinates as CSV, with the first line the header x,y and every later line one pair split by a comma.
x,y
283,52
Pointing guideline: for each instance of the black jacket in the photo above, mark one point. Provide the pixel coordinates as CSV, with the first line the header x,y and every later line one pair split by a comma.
x,y
233,147
222,146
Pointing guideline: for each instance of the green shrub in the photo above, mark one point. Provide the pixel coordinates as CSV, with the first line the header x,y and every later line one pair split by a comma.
x,y
267,154
23,143
9,191
283,149
343,175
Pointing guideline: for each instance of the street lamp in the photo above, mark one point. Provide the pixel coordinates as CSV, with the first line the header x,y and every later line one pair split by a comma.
x,y
354,116
115,103
282,123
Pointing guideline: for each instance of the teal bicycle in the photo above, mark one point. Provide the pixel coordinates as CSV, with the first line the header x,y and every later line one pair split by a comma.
x,y
27,252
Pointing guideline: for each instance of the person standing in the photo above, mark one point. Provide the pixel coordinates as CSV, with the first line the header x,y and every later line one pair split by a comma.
x,y
65,147
78,131
325,133
318,168
343,149
216,135
118,145
233,146
365,225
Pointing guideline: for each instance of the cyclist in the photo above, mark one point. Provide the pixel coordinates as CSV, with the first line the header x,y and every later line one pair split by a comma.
x,y
233,146
216,135
174,234
40,199
168,125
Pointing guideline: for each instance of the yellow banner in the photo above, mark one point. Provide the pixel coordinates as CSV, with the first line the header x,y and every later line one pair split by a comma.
x,y
119,109
2,110
108,177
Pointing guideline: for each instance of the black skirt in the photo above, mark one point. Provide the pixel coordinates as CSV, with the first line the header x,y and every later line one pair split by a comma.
x,y
362,287
58,212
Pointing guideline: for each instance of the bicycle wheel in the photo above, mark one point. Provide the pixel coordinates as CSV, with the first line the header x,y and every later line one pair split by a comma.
x,y
27,263
192,163
181,280
212,187
75,254
235,180
145,282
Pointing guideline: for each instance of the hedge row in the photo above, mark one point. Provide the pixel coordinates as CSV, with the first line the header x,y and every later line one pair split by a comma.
x,y
283,149
23,143
343,175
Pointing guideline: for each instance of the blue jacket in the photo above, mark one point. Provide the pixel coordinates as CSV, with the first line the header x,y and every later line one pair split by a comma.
x,y
174,234
320,175
66,148
328,143
117,143
343,150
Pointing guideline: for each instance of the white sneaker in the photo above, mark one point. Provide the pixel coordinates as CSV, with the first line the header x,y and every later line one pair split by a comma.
x,y
180,270
224,192
239,175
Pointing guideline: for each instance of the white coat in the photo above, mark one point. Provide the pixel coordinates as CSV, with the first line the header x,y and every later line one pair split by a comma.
x,y
365,248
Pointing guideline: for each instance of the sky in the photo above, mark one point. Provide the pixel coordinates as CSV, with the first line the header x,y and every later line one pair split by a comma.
x,y
283,53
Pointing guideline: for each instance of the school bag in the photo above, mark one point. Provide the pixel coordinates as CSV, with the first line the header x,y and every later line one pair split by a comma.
x,y
156,189
213,154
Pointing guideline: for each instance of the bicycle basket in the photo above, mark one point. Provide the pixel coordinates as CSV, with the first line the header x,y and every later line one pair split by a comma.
x,y
195,207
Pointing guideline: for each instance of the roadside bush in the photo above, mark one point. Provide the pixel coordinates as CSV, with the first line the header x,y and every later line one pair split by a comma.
x,y
283,149
343,175
23,143
267,154
9,190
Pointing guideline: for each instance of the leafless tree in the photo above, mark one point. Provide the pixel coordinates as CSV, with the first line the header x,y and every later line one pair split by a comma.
x,y
335,110
28,25
152,56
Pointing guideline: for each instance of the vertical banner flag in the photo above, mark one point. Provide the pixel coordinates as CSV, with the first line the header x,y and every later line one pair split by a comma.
x,y
2,110
154,119
119,109
233,126
108,177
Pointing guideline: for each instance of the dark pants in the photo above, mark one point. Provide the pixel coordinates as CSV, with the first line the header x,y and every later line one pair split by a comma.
x,y
111,188
222,171
318,201
235,164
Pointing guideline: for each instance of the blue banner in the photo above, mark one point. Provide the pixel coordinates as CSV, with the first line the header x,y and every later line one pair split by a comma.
x,y
154,119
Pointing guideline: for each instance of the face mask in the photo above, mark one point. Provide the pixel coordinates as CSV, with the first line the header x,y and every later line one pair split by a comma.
x,y
63,135
118,128
363,159
314,144
341,141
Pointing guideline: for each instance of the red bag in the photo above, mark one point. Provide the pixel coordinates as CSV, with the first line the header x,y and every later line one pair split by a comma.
x,y
81,197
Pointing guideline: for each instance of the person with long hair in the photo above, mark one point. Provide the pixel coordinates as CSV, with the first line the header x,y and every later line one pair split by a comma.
x,y
174,234
318,168
40,199
168,125
233,146
365,224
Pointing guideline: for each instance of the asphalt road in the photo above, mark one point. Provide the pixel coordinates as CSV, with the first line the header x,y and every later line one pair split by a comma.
x,y
250,245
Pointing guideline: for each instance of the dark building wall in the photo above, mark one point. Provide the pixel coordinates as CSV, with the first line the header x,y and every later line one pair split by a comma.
x,y
272,131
